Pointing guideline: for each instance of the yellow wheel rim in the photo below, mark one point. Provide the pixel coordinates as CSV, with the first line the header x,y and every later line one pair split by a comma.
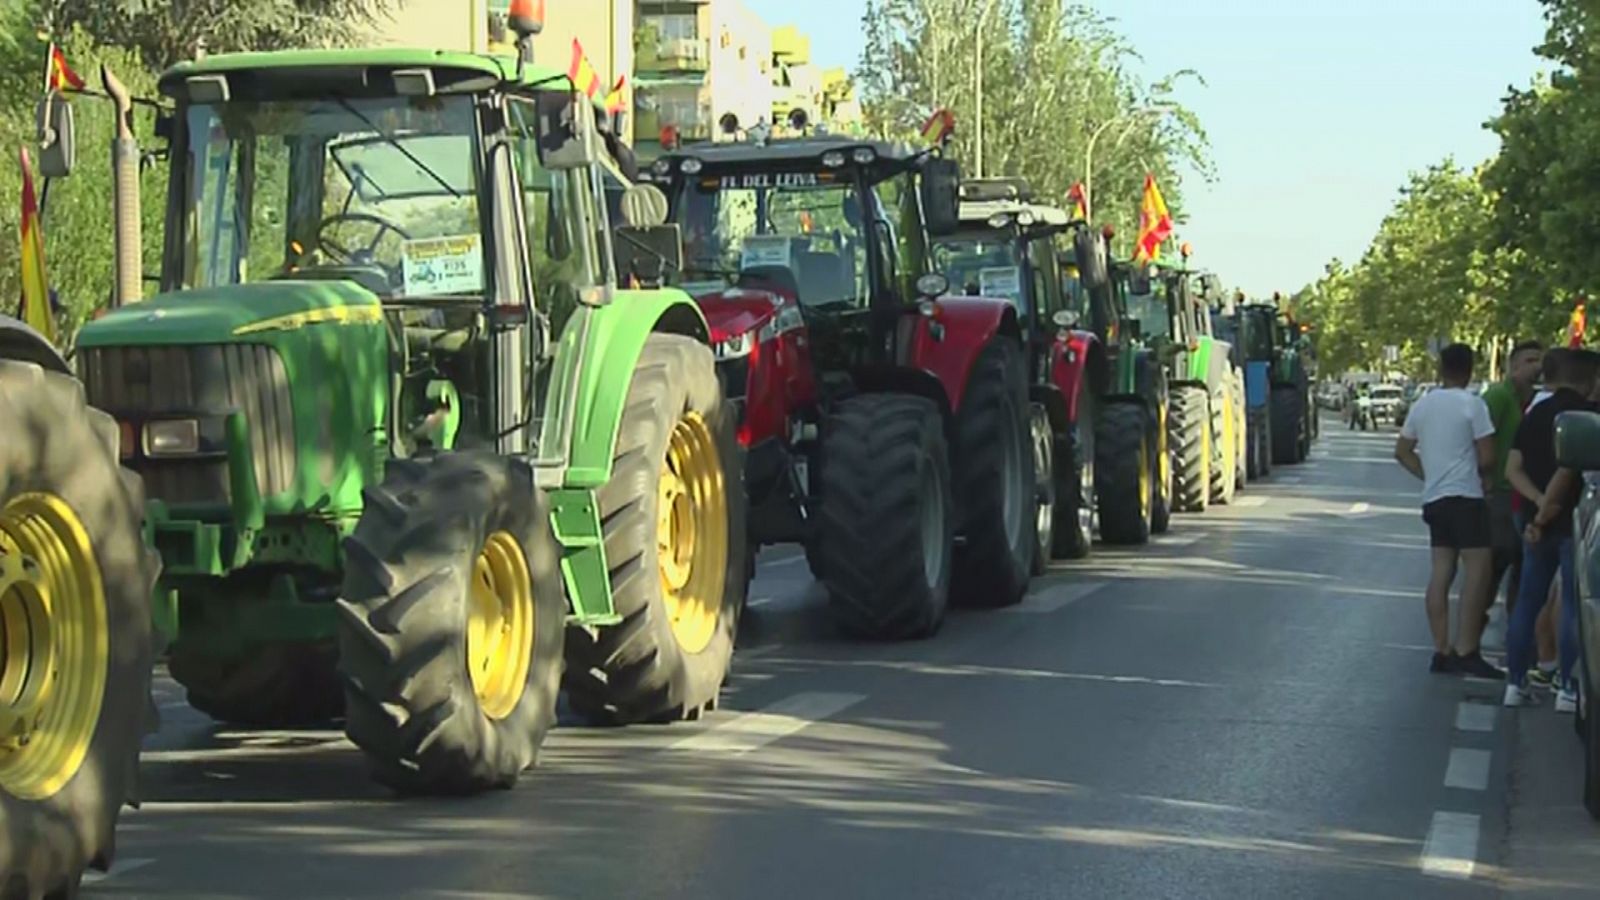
x,y
1145,492
1205,460
692,533
54,645
500,625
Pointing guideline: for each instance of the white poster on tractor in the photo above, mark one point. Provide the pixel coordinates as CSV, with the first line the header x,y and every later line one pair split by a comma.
x,y
445,266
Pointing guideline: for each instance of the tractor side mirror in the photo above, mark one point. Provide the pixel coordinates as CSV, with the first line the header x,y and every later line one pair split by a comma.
x,y
1091,254
567,132
648,254
1578,440
58,150
941,189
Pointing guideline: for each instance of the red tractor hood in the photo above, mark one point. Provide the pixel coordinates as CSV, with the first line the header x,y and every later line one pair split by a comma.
x,y
736,311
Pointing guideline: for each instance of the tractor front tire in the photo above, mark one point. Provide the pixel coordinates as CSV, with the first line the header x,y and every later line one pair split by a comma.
x,y
995,485
1189,430
450,622
1042,439
1075,488
274,686
1286,426
1124,476
674,521
75,583
885,520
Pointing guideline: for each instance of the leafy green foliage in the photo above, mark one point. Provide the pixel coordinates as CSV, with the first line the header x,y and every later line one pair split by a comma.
x,y
1053,72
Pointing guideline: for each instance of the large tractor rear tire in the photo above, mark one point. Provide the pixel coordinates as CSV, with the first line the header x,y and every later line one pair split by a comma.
x,y
1286,426
885,522
1124,474
674,520
995,486
75,582
1189,429
275,686
1075,488
1161,469
1224,451
450,624
1042,439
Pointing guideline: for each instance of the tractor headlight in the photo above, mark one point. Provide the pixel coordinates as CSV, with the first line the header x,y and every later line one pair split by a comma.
x,y
662,167
737,346
173,437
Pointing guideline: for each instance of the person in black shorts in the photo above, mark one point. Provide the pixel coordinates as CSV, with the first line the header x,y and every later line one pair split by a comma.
x,y
1448,442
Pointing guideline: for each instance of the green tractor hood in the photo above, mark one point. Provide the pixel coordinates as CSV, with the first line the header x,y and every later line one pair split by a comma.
x,y
235,312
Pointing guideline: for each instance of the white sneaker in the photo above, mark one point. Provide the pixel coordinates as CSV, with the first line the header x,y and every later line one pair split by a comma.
x,y
1567,701
1519,696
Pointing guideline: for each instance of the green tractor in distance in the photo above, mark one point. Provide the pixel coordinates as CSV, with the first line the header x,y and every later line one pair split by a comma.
x,y
1133,462
1293,415
1202,426
410,451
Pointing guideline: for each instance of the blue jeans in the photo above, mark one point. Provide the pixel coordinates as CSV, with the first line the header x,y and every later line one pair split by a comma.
x,y
1540,564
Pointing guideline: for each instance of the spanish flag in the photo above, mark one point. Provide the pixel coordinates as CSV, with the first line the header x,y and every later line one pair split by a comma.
x,y
939,126
1155,223
616,100
1080,206
35,286
583,75
60,75
1578,324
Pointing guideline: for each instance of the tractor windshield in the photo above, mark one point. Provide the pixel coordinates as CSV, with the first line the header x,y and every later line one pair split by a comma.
x,y
1150,308
801,231
982,265
380,191
1258,336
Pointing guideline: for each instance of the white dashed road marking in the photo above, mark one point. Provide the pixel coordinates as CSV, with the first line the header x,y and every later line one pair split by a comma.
x,y
1054,599
1179,540
1358,508
1452,847
1468,769
757,729
1250,502
1475,717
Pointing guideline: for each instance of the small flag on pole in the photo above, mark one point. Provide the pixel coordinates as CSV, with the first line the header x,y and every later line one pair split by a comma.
x,y
583,75
35,284
1155,223
1080,206
616,100
60,75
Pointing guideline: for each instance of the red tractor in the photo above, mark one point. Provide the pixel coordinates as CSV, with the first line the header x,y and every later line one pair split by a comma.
x,y
886,423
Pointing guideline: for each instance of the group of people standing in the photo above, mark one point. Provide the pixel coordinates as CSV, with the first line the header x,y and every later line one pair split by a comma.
x,y
1499,508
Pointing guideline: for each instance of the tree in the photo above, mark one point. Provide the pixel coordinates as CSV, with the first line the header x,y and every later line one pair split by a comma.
x,y
1053,71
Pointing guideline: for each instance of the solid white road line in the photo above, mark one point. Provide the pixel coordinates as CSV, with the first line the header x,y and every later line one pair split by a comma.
x,y
1363,506
757,729
1250,502
1451,850
121,867
1474,717
1468,769
1054,599
1179,540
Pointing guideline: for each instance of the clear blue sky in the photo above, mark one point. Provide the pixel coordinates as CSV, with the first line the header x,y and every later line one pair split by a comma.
x,y
1316,110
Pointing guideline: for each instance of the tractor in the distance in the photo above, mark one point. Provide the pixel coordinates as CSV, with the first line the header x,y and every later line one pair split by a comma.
x,y
1293,415
410,450
1202,426
887,422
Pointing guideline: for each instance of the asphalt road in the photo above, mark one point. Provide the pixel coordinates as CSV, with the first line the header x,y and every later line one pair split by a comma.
x,y
1241,710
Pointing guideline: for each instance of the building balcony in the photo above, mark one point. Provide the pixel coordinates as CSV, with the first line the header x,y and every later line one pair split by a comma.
x,y
680,55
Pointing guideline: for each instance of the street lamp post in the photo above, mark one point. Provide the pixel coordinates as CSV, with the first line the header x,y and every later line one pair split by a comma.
x,y
1088,161
977,84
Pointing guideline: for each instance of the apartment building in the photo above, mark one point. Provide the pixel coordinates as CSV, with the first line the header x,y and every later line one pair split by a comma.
x,y
698,63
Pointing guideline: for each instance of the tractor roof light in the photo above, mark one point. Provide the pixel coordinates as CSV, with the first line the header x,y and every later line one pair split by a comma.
x,y
999,221
526,17
833,159
690,166
661,167
1026,218
864,156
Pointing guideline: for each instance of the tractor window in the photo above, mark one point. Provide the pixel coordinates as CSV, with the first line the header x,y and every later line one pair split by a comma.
x,y
902,210
378,191
798,230
1257,337
1151,311
554,228
982,264
1046,279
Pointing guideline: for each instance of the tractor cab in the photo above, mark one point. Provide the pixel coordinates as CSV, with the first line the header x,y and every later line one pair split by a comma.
x,y
834,230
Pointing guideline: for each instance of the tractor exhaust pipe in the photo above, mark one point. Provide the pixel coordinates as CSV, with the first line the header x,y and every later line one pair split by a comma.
x,y
125,200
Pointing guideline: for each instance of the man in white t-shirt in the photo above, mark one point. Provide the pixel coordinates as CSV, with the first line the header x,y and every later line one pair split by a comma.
x,y
1448,442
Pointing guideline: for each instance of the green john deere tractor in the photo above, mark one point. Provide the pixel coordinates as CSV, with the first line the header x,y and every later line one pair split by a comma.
x,y
410,451
1133,470
1292,412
